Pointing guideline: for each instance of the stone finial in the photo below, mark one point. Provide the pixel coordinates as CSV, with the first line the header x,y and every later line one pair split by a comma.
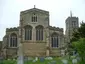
x,y
71,13
34,6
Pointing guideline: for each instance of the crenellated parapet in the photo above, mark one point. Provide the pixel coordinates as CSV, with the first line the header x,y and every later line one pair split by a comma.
x,y
69,18
56,28
12,29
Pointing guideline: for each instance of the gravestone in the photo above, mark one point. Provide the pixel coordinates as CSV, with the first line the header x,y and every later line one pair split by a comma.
x,y
30,58
62,52
74,53
1,59
48,58
20,60
42,59
25,59
8,59
65,61
74,61
14,59
36,58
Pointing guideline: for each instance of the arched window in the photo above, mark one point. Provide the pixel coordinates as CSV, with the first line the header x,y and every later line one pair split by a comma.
x,y
13,40
28,32
54,40
34,18
39,32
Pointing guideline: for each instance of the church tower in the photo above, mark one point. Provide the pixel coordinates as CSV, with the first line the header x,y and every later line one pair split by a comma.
x,y
72,23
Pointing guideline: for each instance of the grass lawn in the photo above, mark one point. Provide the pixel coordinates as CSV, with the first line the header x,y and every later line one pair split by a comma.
x,y
57,59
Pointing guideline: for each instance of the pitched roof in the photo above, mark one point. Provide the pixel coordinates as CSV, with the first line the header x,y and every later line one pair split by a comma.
x,y
33,10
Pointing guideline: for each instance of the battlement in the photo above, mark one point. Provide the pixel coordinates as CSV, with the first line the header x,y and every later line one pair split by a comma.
x,y
71,18
12,29
55,28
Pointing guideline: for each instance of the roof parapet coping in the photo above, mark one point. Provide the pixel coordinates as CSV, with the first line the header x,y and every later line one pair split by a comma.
x,y
12,29
56,28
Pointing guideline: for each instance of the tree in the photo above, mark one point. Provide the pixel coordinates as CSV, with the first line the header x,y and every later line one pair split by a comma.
x,y
81,30
80,47
78,42
77,34
75,37
80,33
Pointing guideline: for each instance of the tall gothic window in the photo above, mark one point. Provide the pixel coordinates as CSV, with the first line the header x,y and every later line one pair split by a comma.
x,y
54,40
28,32
34,18
13,40
39,32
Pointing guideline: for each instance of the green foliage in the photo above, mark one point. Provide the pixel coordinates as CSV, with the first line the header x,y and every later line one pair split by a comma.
x,y
80,47
9,62
78,42
76,36
82,30
80,33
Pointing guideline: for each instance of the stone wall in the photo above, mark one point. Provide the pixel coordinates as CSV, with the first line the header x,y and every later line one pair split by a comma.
x,y
34,49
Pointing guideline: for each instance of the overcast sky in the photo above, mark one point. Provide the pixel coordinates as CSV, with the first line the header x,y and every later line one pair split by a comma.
x,y
59,11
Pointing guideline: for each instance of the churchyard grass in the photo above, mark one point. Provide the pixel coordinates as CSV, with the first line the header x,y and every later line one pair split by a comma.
x,y
57,59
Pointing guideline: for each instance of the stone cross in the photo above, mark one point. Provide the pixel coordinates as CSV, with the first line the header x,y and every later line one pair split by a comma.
x,y
20,55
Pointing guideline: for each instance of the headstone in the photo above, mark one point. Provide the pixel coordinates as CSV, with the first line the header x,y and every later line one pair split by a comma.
x,y
25,58
8,59
34,61
1,60
74,53
74,61
20,60
62,52
41,59
36,58
65,61
14,59
48,58
30,58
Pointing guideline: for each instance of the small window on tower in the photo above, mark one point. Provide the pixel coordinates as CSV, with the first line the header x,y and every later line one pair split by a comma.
x,y
34,18
73,24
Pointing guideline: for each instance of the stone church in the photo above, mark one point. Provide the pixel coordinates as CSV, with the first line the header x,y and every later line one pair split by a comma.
x,y
35,34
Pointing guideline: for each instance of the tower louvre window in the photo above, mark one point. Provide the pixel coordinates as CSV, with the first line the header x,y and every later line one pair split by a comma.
x,y
73,24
